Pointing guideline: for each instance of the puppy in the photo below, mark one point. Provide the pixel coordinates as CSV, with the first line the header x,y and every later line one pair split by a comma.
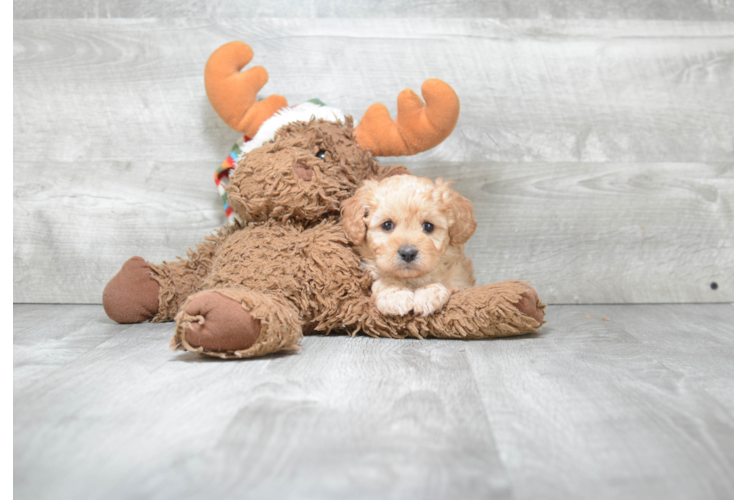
x,y
409,232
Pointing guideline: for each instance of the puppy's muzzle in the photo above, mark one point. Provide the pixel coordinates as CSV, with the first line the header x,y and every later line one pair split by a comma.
x,y
407,254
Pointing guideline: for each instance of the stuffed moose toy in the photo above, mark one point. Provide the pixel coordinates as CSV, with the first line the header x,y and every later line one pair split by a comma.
x,y
285,268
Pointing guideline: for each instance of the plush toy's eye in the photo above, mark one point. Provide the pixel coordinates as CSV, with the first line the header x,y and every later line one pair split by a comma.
x,y
388,226
428,227
321,154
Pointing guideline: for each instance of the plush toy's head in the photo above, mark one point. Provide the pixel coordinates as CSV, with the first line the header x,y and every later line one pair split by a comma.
x,y
303,174
304,161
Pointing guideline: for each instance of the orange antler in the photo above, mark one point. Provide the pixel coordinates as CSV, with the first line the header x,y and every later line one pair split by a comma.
x,y
232,93
418,127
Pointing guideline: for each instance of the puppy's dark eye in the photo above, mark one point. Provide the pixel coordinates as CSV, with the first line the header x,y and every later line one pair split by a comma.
x,y
388,226
428,227
321,154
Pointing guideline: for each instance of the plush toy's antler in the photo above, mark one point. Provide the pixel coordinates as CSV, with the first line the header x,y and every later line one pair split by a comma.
x,y
418,127
232,94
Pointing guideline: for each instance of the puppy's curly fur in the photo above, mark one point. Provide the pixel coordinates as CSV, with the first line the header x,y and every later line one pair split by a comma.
x,y
410,232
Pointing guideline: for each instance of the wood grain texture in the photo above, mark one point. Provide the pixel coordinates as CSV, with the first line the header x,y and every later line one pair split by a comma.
x,y
739,181
640,406
530,90
567,9
69,333
740,331
601,233
582,131
580,232
129,418
72,229
739,193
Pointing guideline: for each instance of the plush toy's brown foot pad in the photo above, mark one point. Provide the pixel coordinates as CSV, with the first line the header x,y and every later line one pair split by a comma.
x,y
222,325
530,304
132,295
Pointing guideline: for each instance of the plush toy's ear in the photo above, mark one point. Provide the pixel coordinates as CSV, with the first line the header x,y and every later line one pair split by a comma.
x,y
232,93
392,170
355,212
418,126
462,223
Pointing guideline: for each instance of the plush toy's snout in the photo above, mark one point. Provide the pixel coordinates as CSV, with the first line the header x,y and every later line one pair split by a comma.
x,y
304,171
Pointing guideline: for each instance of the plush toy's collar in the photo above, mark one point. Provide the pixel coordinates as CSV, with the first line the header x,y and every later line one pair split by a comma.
x,y
302,112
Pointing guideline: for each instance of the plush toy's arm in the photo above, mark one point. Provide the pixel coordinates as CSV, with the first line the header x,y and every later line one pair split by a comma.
x,y
497,310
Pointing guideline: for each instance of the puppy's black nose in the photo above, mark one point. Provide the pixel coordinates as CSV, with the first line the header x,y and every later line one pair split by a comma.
x,y
408,254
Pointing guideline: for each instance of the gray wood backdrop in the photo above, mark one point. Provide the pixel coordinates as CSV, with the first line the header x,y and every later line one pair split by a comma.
x,y
595,138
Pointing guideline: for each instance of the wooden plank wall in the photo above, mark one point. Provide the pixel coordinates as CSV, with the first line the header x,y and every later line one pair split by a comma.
x,y
595,139
739,180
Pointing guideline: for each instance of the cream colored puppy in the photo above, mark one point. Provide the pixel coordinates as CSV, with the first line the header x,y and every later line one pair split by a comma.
x,y
409,232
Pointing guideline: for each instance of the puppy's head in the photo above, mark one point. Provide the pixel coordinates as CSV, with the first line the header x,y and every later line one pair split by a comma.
x,y
405,223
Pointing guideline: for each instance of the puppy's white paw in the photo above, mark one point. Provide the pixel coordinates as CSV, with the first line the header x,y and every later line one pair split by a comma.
x,y
395,302
430,298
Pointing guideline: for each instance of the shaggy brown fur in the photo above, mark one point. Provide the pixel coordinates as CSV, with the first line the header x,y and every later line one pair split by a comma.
x,y
290,265
266,184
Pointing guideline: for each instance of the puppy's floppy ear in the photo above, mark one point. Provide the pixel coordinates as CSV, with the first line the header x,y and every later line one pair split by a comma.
x,y
462,222
355,211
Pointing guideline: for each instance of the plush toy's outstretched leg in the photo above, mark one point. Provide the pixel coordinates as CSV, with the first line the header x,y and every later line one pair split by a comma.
x,y
236,323
143,291
176,281
529,304
496,310
132,295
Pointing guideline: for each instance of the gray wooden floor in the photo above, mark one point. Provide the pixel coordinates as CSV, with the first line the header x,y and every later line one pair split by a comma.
x,y
740,329
636,406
